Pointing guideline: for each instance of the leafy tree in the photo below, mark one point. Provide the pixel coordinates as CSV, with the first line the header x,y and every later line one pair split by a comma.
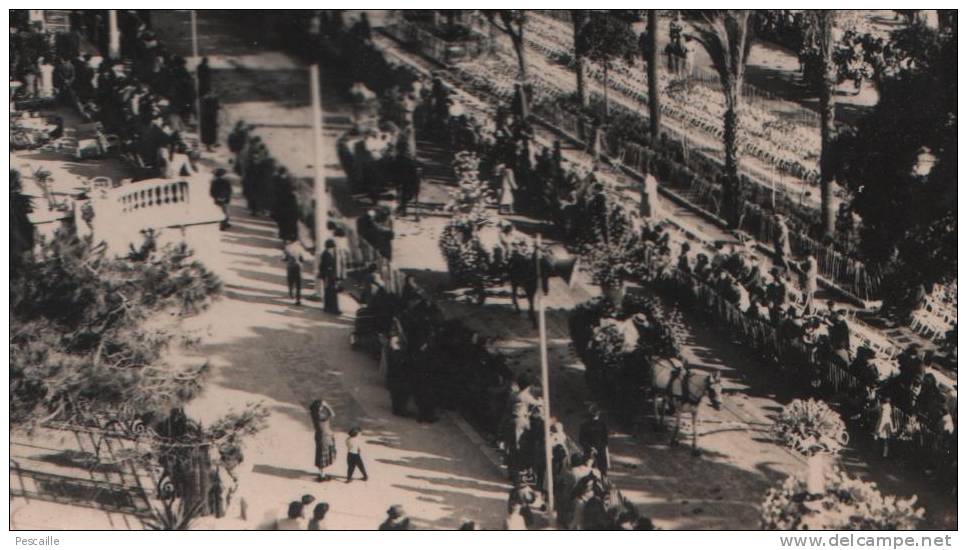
x,y
901,164
79,347
725,36
604,40
512,23
21,230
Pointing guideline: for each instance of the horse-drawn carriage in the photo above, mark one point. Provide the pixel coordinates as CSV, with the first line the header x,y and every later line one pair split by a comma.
x,y
487,256
631,355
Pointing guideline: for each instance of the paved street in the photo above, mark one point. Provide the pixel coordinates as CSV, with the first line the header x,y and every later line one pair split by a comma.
x,y
721,489
264,349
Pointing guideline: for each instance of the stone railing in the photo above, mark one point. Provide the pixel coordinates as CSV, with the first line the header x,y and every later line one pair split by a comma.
x,y
122,213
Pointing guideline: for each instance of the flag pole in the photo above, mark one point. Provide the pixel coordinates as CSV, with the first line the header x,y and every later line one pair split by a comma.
x,y
545,386
319,186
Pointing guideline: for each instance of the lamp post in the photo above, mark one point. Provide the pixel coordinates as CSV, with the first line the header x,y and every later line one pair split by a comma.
x,y
319,185
545,386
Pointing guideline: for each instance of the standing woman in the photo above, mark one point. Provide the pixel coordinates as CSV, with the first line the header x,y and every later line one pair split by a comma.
x,y
209,120
884,425
508,186
322,415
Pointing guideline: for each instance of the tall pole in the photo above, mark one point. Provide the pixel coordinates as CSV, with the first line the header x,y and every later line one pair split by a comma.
x,y
197,61
113,36
319,185
545,386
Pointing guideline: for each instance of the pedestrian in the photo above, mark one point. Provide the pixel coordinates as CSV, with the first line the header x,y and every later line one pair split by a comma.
x,y
396,519
354,456
397,376
293,258
204,72
285,210
515,519
649,195
593,438
508,185
46,71
526,498
209,120
318,521
237,141
221,192
410,178
293,520
809,281
322,415
328,277
781,246
884,425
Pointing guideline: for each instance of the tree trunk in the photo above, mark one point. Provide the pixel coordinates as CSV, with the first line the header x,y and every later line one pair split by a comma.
x,y
522,68
827,128
654,105
607,106
730,187
582,82
579,19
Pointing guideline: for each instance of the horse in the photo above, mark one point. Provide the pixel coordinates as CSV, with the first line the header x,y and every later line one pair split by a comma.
x,y
522,273
685,389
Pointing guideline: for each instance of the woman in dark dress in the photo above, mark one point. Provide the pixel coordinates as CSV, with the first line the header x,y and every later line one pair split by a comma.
x,y
209,120
322,415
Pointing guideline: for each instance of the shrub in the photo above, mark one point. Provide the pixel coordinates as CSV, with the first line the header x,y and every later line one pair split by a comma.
x,y
810,427
846,504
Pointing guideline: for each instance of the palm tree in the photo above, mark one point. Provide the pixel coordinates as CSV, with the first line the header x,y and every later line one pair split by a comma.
x,y
821,34
579,20
725,36
651,57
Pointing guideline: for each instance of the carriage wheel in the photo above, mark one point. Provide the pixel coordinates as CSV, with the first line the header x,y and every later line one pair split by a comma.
x,y
844,438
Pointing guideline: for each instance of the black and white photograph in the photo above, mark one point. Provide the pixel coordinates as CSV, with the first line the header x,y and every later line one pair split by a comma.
x,y
666,270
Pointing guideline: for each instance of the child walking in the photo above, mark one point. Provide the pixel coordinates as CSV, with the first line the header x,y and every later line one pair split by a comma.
x,y
293,270
354,457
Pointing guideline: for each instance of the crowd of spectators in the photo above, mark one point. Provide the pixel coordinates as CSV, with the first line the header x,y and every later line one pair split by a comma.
x,y
773,313
146,98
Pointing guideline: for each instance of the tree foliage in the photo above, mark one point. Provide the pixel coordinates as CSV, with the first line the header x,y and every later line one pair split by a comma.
x,y
605,39
909,219
80,346
725,35
21,230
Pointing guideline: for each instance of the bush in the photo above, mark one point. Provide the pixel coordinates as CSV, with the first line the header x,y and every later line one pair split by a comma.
x,y
810,427
846,504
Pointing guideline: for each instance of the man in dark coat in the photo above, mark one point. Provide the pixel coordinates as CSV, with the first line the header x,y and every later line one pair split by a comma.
x,y
221,193
285,211
593,438
398,376
328,275
839,339
410,178
236,142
